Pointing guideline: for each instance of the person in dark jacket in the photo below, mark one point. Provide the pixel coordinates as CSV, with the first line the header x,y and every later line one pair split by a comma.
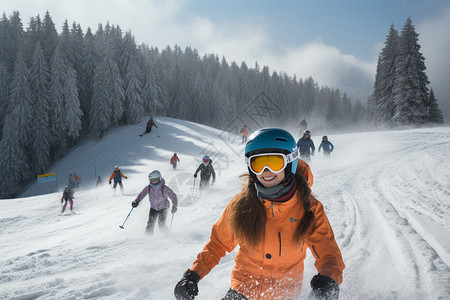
x,y
206,170
150,124
117,176
327,146
306,146
68,197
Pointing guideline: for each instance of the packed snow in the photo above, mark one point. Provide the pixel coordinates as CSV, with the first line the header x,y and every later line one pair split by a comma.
x,y
387,195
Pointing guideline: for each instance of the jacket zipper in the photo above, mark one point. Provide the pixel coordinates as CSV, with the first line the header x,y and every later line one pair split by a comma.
x,y
314,249
271,206
279,239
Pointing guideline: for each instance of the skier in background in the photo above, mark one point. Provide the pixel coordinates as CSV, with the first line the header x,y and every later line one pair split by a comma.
x,y
305,144
327,146
158,194
150,124
303,126
67,196
273,220
174,160
77,180
206,170
117,176
244,132
99,181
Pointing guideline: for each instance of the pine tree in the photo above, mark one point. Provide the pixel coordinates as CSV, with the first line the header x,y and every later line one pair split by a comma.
x,y
72,110
49,39
40,93
20,104
386,75
434,113
90,61
4,94
410,87
56,113
133,103
101,108
13,166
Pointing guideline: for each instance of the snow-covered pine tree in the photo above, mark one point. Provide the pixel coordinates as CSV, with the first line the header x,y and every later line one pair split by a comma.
x,y
133,103
13,165
4,94
56,113
101,108
386,75
115,85
20,104
90,61
72,109
49,38
40,92
434,113
308,96
410,87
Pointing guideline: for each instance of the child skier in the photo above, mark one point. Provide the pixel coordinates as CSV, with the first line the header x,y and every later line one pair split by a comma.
x,y
174,160
327,146
117,176
158,194
67,196
273,220
206,170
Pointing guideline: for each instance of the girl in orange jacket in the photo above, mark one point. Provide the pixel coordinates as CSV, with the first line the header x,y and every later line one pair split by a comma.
x,y
273,220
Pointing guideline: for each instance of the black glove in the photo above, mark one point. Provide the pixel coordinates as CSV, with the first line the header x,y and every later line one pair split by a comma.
x,y
186,288
110,182
134,203
324,288
195,175
174,209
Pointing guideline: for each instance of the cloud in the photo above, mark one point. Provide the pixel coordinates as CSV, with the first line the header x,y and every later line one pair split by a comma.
x,y
434,37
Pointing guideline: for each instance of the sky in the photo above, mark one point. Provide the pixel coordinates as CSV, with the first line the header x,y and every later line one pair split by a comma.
x,y
335,42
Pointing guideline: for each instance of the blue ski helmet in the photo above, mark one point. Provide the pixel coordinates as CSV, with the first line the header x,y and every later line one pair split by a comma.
x,y
275,140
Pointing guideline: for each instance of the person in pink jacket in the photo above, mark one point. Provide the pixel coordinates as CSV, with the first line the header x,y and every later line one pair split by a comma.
x,y
158,194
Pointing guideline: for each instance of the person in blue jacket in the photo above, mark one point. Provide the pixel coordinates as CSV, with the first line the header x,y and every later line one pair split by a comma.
x,y
327,146
306,146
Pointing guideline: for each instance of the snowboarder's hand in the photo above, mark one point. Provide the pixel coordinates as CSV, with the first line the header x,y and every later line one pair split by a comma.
x,y
174,209
126,177
110,182
61,200
187,288
134,204
195,175
323,287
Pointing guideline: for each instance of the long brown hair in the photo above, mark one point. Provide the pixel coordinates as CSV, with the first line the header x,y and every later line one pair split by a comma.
x,y
248,214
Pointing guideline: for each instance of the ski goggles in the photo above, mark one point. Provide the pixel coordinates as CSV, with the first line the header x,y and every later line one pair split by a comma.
x,y
275,162
206,160
154,179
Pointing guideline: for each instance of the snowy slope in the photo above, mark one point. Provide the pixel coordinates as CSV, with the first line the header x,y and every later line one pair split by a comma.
x,y
387,195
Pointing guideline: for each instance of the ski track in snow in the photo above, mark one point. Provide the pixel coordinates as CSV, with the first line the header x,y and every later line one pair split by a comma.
x,y
386,194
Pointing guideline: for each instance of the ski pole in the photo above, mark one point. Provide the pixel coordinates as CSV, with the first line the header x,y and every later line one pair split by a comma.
x,y
126,218
157,130
171,221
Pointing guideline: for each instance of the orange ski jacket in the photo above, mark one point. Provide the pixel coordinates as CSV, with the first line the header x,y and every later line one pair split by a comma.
x,y
274,269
